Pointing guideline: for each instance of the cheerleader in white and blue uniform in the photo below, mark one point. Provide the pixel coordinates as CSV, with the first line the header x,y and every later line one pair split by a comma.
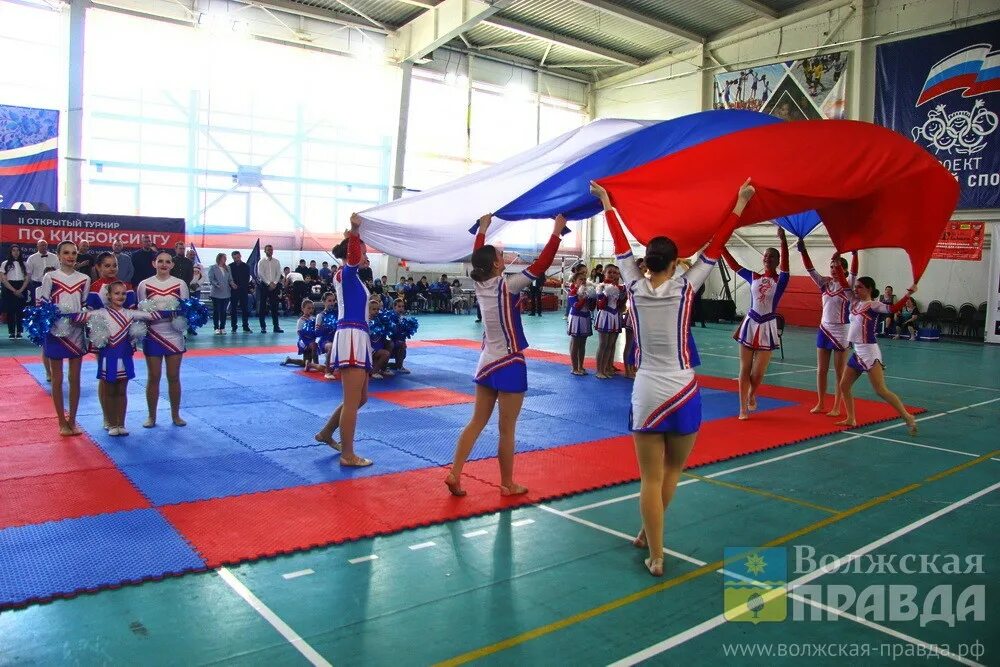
x,y
163,344
579,327
326,332
831,339
758,334
305,329
867,358
666,404
67,288
608,321
501,376
114,358
351,347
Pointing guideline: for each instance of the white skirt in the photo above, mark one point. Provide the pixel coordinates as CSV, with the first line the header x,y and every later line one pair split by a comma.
x,y
608,321
579,325
758,335
352,348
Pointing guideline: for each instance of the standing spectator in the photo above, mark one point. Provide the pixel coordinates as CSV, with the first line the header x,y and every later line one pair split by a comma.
x,y
239,273
14,276
221,280
365,273
597,275
142,260
535,295
192,255
125,269
268,288
86,261
183,267
36,264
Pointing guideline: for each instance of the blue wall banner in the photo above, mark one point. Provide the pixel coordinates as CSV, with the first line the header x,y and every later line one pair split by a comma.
x,y
26,228
29,161
943,91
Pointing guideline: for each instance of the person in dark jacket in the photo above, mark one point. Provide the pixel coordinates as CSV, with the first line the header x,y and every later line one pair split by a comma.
x,y
240,274
142,260
183,267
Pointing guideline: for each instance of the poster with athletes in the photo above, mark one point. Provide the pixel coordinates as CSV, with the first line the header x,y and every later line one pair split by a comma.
x,y
29,162
943,91
26,228
811,88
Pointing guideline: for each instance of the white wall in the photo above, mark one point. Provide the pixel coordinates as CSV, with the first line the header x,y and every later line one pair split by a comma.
x,y
682,85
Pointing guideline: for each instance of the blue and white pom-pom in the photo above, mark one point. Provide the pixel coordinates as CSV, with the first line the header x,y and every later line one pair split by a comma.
x,y
409,326
194,312
38,321
329,320
100,331
383,325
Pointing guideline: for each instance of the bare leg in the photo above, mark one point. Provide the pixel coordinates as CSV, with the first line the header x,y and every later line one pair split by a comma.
x,y
839,366
602,355
55,367
355,383
380,360
851,376
609,368
486,398
332,424
822,369
510,408
107,409
678,448
746,362
74,394
122,389
877,378
154,368
761,359
650,452
174,387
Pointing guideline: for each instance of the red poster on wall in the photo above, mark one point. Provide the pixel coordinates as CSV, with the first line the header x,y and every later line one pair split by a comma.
x,y
961,240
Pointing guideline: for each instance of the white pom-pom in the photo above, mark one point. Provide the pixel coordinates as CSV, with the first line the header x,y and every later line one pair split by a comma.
x,y
179,323
67,308
138,331
147,306
100,331
60,327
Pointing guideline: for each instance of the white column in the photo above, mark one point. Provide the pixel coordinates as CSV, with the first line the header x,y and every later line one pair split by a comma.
x,y
73,150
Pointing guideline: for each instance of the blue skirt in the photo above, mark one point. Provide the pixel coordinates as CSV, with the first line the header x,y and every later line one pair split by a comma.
x,y
70,347
508,374
115,363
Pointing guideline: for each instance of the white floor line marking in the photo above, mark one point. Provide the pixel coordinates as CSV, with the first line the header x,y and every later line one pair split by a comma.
x,y
616,533
802,370
891,377
522,522
476,533
715,622
362,559
297,574
800,452
917,444
422,545
307,651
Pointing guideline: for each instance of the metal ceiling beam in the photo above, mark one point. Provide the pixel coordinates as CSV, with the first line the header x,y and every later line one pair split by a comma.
x,y
328,15
614,9
438,26
561,40
758,8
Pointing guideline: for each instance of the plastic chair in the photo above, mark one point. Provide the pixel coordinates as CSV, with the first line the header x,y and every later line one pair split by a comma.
x,y
780,319
967,319
949,316
934,313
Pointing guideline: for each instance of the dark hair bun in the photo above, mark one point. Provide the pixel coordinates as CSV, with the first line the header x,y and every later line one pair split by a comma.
x,y
660,252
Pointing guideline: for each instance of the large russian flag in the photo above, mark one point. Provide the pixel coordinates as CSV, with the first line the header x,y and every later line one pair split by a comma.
x,y
988,79
872,187
954,72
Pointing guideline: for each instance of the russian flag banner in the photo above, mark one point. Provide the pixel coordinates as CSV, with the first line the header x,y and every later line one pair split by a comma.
x,y
988,80
956,71
29,159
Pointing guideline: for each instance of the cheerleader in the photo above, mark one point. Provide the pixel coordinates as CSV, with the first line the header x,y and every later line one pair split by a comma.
x,y
867,356
114,359
608,321
631,349
758,334
501,376
325,333
352,348
666,403
163,342
306,329
831,339
381,344
67,288
398,339
580,328
107,272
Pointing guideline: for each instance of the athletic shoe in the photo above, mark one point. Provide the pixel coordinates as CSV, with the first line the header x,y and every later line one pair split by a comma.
x,y
279,331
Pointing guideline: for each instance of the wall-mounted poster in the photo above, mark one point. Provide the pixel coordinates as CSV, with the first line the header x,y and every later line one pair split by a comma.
x,y
943,92
810,88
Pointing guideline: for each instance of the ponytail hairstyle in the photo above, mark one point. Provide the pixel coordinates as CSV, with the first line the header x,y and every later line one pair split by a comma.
x,y
660,253
870,284
843,263
340,250
482,263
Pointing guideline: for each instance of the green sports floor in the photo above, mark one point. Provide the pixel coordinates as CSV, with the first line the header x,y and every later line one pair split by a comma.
x,y
560,583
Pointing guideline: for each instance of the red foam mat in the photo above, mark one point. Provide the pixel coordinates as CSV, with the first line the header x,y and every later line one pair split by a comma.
x,y
30,500
424,398
57,455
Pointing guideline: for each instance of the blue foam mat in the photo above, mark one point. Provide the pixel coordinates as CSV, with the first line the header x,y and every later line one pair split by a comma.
x,y
89,553
322,464
262,426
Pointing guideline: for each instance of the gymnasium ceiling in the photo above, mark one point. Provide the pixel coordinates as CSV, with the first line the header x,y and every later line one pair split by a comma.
x,y
586,39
